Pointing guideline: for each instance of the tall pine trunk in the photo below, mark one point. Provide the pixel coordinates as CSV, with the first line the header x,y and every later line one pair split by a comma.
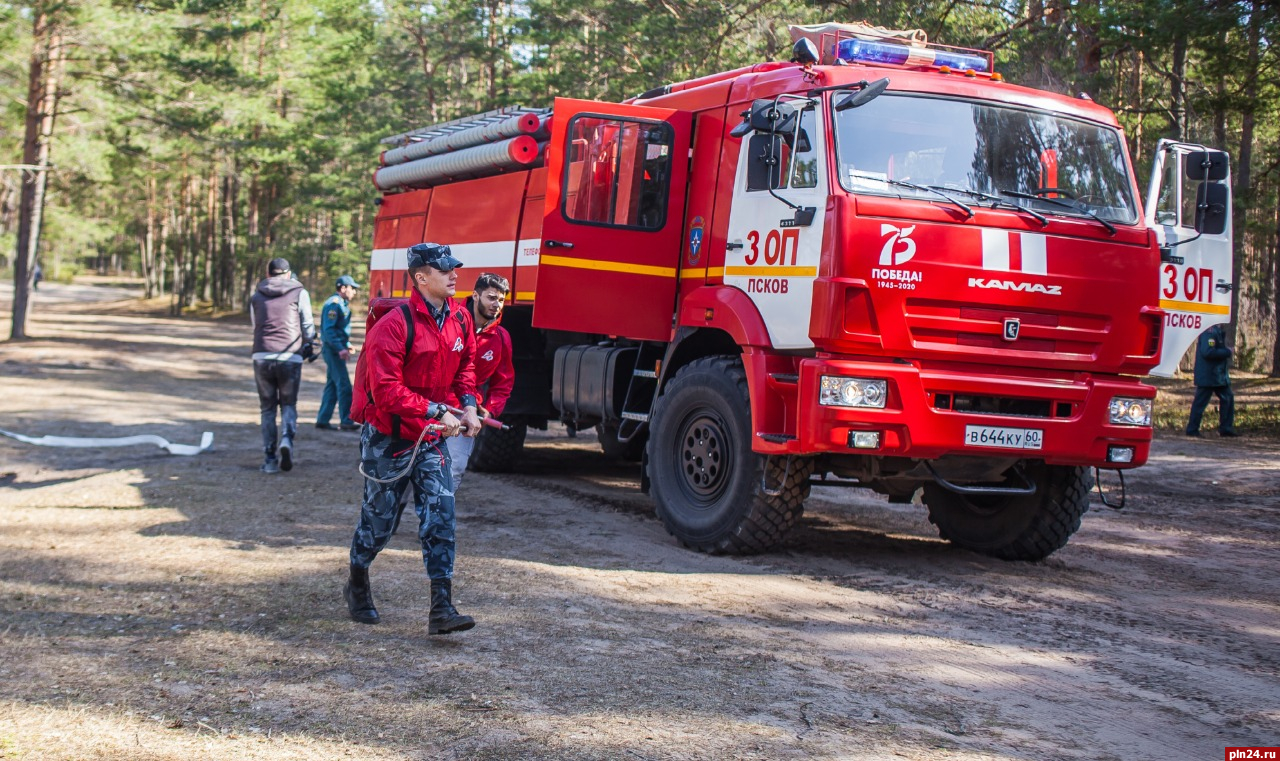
x,y
45,74
211,242
148,247
1177,87
1242,193
227,265
1275,279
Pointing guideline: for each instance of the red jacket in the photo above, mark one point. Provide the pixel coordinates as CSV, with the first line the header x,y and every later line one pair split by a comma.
x,y
493,365
439,367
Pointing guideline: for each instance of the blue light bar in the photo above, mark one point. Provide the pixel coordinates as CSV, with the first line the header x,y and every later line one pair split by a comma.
x,y
893,54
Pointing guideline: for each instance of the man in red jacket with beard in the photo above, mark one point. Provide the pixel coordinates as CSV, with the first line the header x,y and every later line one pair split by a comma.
x,y
495,375
405,389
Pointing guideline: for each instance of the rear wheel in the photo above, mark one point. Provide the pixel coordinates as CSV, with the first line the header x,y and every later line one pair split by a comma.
x,y
1014,527
498,451
712,492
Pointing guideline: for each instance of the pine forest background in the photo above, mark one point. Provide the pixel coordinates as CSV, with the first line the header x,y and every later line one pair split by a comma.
x,y
190,142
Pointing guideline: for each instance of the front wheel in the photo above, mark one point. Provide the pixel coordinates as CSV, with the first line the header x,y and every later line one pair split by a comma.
x,y
1014,527
712,492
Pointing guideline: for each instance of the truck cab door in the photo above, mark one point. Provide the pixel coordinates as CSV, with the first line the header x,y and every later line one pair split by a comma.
x,y
613,220
776,222
1189,208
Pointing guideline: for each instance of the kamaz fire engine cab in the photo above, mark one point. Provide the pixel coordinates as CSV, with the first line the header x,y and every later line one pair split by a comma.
x,y
877,265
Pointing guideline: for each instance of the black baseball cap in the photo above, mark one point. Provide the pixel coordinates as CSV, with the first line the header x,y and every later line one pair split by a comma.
x,y
278,266
435,255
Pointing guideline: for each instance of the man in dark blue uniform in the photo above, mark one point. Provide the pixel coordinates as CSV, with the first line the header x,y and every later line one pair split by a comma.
x,y
335,332
1211,377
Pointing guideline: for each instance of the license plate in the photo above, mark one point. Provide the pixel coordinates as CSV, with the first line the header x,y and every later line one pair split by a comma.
x,y
1005,438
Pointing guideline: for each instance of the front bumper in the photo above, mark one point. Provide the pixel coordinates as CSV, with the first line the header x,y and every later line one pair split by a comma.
x,y
915,422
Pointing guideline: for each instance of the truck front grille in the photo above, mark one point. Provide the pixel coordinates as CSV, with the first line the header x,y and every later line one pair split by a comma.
x,y
958,328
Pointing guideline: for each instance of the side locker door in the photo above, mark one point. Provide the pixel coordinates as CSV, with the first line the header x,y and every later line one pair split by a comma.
x,y
614,219
1195,267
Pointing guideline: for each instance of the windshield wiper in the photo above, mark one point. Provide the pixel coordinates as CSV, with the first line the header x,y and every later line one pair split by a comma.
x,y
1075,205
996,202
904,184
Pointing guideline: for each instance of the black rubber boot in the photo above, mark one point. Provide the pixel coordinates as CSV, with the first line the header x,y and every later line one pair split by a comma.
x,y
360,597
445,619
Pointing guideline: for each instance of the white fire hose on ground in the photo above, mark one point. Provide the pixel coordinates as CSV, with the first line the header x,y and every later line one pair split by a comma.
x,y
186,450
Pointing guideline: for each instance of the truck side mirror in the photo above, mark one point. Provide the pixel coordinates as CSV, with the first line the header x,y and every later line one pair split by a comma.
x,y
765,170
869,92
1211,208
1206,165
768,117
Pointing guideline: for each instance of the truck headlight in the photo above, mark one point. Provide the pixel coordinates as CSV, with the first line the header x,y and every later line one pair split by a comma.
x,y
1126,411
852,392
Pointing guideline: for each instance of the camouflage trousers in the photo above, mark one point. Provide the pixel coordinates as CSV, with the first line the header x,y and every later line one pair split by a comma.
x,y
382,457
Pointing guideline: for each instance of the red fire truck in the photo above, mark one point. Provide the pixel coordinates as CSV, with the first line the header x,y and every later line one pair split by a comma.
x,y
877,265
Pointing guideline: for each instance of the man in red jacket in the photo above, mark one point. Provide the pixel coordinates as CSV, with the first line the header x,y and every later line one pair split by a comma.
x,y
405,391
495,375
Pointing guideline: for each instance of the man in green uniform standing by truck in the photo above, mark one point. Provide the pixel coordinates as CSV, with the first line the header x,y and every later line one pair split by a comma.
x,y
335,332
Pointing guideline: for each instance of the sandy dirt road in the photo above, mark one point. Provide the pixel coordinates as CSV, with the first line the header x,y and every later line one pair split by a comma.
x,y
160,607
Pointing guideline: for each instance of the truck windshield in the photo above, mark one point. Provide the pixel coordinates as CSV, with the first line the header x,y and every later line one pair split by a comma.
x,y
1066,166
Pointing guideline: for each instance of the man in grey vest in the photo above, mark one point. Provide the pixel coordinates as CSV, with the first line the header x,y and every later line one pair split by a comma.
x,y
281,313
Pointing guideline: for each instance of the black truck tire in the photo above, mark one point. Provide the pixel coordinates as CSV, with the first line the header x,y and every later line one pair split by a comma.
x,y
1014,527
631,451
704,478
498,451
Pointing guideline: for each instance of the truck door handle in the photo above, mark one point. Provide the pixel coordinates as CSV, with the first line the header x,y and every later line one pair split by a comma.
x,y
732,246
558,244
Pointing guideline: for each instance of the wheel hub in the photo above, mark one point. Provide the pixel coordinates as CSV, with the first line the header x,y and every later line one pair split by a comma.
x,y
704,457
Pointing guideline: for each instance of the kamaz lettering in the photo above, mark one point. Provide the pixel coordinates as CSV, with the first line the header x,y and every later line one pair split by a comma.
x,y
1009,285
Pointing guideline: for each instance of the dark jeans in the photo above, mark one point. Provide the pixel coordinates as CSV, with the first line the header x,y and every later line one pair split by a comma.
x,y
277,387
1226,408
337,388
382,457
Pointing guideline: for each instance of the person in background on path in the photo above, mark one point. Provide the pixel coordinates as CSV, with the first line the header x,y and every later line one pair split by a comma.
x,y
1211,377
280,311
36,277
495,375
401,391
335,335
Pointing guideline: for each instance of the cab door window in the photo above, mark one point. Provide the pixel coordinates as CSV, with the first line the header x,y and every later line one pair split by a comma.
x,y
804,159
1176,205
618,172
